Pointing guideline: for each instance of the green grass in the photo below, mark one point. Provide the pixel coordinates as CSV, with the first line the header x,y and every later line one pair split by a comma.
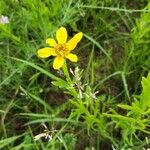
x,y
103,103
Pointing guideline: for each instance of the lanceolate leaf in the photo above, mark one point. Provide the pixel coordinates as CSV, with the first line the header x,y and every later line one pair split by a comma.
x,y
145,95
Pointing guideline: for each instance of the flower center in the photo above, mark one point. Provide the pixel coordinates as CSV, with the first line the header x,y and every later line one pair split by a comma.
x,y
61,50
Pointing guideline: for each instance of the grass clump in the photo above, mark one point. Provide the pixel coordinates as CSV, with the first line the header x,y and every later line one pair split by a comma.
x,y
100,102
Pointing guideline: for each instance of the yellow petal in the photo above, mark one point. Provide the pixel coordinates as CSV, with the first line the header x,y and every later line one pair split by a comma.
x,y
51,42
61,35
72,43
58,62
46,52
72,57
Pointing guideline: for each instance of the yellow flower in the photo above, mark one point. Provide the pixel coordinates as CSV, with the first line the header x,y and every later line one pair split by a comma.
x,y
61,49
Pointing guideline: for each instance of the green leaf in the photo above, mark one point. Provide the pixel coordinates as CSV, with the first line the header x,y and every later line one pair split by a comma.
x,y
127,107
145,95
38,68
60,83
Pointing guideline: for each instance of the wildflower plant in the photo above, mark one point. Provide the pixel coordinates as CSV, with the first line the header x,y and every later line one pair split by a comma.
x,y
84,101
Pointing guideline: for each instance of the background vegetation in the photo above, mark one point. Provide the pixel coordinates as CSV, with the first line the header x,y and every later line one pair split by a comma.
x,y
112,111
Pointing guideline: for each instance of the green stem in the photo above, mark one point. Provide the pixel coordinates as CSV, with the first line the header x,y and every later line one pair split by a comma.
x,y
68,78
66,72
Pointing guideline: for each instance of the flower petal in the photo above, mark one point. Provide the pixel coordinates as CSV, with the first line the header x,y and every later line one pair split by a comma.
x,y
46,52
61,35
72,43
58,62
72,57
51,42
